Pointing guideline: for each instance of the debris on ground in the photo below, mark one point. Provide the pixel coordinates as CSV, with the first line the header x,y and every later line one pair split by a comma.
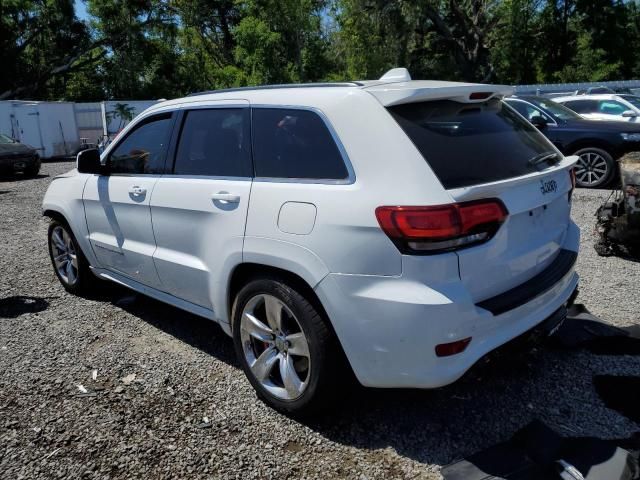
x,y
618,219
128,380
538,452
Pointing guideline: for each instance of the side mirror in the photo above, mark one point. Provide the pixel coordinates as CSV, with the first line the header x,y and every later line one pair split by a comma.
x,y
629,114
88,161
539,121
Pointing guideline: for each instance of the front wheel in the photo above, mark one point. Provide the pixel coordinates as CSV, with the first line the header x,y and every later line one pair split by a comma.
x,y
285,347
69,263
32,170
595,168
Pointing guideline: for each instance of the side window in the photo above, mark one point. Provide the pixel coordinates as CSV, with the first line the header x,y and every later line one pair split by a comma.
x,y
289,143
611,107
520,107
215,142
143,149
528,111
582,106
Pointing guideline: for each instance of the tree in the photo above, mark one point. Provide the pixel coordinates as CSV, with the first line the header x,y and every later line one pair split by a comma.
x,y
41,42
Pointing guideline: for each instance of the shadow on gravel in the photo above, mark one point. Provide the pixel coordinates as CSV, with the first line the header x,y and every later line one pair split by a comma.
x,y
192,329
12,307
18,177
472,414
552,381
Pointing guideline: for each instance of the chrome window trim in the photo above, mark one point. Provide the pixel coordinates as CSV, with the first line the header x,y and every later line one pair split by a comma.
x,y
351,174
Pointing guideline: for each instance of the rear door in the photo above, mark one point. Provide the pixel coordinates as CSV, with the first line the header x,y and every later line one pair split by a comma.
x,y
199,209
486,150
117,205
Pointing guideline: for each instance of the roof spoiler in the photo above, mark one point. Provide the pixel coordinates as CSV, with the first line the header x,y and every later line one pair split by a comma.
x,y
419,91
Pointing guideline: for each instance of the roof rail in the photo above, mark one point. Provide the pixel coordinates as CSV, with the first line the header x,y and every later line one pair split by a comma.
x,y
274,87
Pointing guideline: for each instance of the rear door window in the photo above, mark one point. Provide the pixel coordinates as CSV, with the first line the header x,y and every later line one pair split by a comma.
x,y
611,107
582,106
469,144
292,143
215,143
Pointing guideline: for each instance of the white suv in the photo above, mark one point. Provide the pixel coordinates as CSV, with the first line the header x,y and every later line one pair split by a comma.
x,y
621,108
402,228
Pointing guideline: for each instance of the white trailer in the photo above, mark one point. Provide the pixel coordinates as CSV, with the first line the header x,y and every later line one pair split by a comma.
x,y
49,127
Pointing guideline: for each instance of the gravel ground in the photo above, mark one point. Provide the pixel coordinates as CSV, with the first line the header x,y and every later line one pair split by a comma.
x,y
160,371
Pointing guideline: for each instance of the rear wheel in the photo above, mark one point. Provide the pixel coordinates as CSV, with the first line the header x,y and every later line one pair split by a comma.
x,y
32,170
69,263
595,168
286,349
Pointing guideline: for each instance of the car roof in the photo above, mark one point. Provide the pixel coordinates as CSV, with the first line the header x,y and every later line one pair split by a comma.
x,y
394,88
592,96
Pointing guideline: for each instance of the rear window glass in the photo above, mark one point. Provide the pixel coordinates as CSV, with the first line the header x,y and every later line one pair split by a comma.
x,y
469,144
291,143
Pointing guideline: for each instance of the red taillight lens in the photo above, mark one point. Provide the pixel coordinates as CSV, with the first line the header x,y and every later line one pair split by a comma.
x,y
441,227
453,348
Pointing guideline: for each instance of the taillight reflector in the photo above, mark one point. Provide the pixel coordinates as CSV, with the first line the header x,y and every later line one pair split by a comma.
x,y
442,227
453,348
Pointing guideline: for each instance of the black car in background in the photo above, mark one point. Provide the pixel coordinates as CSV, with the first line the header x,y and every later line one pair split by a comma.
x,y
17,157
599,144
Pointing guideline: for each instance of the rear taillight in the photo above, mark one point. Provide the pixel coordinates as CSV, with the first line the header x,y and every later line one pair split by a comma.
x,y
441,227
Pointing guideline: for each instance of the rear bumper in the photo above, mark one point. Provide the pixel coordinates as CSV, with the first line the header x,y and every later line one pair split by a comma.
x,y
389,326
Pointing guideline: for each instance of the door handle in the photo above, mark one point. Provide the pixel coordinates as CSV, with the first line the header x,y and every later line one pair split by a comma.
x,y
225,197
135,190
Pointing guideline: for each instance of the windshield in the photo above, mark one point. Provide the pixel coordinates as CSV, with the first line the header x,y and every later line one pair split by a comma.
x,y
474,143
5,139
632,99
557,110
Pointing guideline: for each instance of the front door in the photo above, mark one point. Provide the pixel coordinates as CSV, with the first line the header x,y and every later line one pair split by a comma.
x,y
117,205
199,210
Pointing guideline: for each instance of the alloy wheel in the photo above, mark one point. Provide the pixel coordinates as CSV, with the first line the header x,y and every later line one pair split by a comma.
x,y
275,347
591,170
64,255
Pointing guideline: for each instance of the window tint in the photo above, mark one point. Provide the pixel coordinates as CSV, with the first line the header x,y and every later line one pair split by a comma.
x,y
582,106
632,99
611,107
291,143
143,150
215,142
468,144
528,111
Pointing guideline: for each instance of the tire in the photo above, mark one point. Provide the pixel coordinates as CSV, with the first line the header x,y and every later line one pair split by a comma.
x,y
32,170
73,269
265,349
595,168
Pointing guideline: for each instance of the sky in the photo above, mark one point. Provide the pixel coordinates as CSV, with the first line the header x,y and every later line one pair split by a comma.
x,y
81,10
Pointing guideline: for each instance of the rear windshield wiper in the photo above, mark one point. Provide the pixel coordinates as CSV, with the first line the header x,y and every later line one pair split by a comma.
x,y
543,157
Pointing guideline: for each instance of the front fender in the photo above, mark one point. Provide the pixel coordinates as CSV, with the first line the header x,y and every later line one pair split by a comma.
x,y
64,197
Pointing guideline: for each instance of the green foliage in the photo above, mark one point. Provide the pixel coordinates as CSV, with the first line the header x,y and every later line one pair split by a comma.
x,y
138,49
